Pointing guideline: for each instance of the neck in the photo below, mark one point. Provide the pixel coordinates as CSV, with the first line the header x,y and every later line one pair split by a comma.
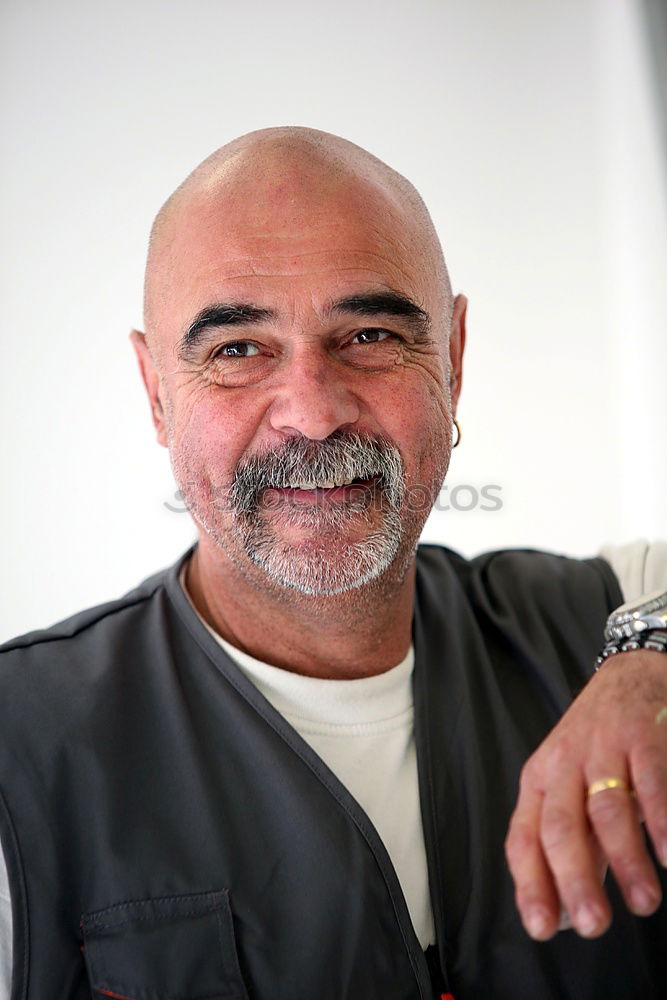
x,y
360,633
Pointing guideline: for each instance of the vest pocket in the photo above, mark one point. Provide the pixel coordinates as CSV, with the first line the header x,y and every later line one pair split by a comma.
x,y
166,948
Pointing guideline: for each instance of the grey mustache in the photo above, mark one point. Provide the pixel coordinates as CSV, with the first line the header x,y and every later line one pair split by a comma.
x,y
339,457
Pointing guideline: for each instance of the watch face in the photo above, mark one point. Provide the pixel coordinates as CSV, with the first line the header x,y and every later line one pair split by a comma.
x,y
648,612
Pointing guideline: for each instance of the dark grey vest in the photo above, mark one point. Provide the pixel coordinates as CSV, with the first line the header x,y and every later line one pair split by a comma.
x,y
170,837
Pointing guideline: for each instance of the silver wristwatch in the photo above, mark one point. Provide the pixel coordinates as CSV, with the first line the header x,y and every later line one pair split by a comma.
x,y
639,624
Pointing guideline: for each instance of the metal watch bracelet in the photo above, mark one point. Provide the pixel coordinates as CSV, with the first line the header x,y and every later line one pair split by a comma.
x,y
654,639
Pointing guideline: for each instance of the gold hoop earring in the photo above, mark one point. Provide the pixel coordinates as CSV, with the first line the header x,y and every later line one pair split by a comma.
x,y
458,438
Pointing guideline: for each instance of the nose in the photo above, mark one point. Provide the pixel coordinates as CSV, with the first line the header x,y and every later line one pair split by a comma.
x,y
313,400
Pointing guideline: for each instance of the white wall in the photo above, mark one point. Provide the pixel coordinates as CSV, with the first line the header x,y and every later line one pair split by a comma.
x,y
526,124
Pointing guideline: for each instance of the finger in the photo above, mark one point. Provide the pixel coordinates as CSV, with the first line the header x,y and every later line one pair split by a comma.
x,y
572,856
648,769
535,893
600,873
615,819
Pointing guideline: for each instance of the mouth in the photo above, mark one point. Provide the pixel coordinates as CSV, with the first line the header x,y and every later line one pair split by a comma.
x,y
303,492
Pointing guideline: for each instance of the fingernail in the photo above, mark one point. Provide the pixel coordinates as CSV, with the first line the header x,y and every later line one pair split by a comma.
x,y
643,900
587,920
537,923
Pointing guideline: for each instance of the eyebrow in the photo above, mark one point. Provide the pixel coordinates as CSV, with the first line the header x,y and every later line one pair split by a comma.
x,y
224,314
385,303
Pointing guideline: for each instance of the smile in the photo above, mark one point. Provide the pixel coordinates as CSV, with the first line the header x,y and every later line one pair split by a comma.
x,y
325,485
326,492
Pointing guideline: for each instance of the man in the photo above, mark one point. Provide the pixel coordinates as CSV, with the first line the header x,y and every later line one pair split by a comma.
x,y
183,771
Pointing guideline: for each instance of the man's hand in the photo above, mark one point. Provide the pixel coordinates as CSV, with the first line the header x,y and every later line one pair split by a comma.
x,y
559,838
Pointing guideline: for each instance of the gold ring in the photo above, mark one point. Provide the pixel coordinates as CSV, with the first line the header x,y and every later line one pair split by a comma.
x,y
602,784
661,716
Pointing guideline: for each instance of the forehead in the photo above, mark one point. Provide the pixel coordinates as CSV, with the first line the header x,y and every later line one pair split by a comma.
x,y
287,252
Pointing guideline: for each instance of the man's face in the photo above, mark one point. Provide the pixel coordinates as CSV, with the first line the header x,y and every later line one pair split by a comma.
x,y
301,343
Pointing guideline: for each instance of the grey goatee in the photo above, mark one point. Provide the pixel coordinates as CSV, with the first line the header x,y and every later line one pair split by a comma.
x,y
325,564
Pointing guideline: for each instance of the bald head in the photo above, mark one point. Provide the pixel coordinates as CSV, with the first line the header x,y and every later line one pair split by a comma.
x,y
287,179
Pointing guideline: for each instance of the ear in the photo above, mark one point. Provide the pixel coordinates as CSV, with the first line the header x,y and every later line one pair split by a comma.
x,y
151,379
457,340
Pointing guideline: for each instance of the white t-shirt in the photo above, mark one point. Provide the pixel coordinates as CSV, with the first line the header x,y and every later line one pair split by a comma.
x,y
363,730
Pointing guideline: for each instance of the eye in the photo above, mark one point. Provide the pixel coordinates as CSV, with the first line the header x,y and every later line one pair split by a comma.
x,y
238,349
371,336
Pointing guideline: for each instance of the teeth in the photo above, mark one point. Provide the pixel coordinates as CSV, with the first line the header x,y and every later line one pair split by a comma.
x,y
325,484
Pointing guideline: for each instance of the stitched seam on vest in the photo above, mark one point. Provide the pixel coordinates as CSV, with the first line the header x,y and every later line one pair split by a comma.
x,y
152,918
425,735
227,936
159,899
50,636
433,811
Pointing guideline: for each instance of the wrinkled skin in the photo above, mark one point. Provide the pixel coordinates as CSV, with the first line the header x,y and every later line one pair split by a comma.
x,y
289,221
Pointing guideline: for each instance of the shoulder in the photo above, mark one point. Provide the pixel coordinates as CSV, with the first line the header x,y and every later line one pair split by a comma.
x,y
526,576
82,622
61,661
540,614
